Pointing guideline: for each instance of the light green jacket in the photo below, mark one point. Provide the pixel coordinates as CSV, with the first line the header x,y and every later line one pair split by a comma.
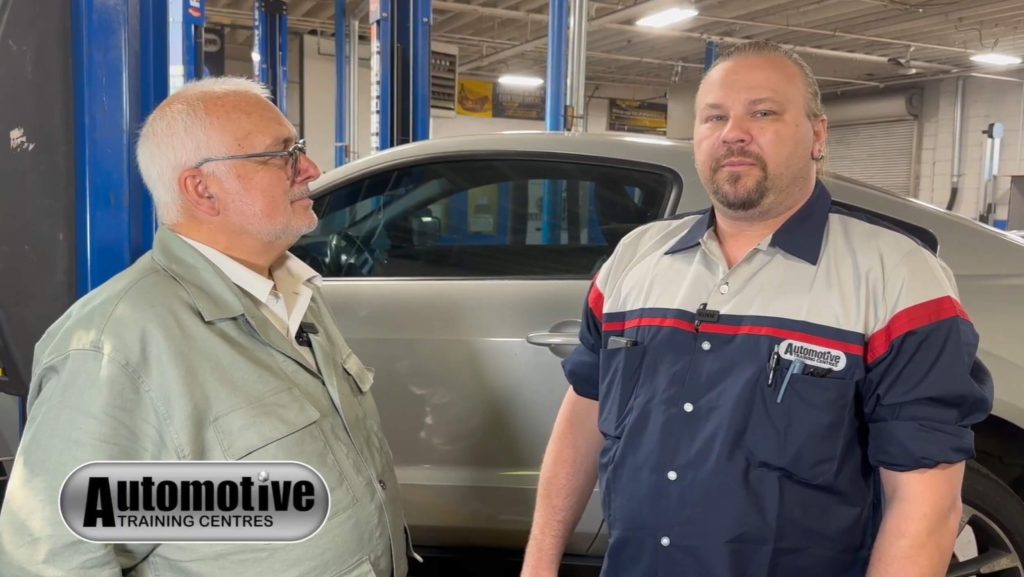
x,y
170,360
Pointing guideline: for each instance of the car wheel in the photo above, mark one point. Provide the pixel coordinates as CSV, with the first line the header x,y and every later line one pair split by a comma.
x,y
991,537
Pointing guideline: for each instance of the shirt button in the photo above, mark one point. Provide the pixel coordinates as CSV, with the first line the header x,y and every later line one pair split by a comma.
x,y
665,541
706,346
688,407
672,476
724,288
383,485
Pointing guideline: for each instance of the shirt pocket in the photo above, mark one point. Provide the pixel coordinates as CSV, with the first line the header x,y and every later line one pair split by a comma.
x,y
803,434
620,370
283,427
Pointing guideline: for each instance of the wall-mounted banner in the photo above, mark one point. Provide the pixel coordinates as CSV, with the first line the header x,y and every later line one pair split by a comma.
x,y
637,116
194,501
519,102
475,98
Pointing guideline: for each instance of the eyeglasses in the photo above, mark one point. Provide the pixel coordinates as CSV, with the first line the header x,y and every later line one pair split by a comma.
x,y
292,154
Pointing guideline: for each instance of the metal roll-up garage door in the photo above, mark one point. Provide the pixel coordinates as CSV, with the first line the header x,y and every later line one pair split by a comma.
x,y
879,153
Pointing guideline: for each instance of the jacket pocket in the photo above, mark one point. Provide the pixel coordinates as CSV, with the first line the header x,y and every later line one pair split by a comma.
x,y
283,427
619,376
804,434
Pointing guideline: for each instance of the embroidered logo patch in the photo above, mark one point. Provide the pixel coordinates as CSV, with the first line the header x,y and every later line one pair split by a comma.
x,y
812,355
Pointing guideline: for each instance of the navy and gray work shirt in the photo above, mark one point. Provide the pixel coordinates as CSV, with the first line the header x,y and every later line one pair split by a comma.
x,y
708,468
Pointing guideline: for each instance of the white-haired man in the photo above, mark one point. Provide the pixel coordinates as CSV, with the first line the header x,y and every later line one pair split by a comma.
x,y
191,354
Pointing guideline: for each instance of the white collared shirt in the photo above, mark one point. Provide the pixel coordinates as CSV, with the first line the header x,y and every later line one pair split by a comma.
x,y
284,299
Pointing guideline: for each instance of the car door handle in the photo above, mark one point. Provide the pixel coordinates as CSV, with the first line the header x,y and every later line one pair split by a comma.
x,y
561,338
553,339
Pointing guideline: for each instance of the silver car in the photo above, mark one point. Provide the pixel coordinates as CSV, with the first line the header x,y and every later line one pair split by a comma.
x,y
458,267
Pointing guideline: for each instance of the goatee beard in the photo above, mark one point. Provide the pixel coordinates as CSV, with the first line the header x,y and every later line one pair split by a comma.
x,y
747,200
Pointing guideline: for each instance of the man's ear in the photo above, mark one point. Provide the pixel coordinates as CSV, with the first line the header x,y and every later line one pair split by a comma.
x,y
820,146
195,191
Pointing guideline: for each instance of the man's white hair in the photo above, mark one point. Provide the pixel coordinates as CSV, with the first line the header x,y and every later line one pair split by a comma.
x,y
177,135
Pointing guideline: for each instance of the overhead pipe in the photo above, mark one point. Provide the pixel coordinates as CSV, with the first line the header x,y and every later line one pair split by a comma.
x,y
576,79
835,33
624,14
958,134
919,79
803,49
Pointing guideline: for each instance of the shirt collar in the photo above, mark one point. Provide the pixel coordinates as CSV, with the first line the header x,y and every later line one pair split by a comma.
x,y
252,282
804,232
801,235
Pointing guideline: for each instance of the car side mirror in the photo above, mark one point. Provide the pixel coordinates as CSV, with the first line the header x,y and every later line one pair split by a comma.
x,y
426,230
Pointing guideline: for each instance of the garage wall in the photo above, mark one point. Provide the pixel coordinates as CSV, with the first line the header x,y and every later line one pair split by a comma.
x,y
985,101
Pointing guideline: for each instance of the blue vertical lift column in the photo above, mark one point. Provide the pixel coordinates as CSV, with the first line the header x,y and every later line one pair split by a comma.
x,y
342,60
121,69
554,113
270,19
400,77
710,54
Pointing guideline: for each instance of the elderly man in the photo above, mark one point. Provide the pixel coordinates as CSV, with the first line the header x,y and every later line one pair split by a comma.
x,y
774,387
191,354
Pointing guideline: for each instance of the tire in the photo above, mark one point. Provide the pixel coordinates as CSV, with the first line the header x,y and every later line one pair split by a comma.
x,y
991,541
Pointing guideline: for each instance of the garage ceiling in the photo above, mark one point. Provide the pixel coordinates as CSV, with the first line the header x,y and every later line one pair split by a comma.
x,y
849,43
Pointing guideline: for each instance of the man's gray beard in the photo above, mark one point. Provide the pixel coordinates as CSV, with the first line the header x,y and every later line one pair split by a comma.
x,y
748,202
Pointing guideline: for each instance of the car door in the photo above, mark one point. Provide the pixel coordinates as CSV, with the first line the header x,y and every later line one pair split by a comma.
x,y
462,282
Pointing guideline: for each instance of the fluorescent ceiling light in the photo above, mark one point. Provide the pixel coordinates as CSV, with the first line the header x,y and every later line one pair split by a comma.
x,y
513,80
997,59
667,17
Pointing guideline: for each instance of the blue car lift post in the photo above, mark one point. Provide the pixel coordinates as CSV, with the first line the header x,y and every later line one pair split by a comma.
x,y
554,112
121,67
270,22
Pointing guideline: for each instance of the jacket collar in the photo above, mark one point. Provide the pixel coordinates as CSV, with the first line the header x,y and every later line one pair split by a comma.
x,y
213,293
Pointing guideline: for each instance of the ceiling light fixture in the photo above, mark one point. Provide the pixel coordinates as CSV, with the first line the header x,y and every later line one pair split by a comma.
x,y
667,17
996,59
513,80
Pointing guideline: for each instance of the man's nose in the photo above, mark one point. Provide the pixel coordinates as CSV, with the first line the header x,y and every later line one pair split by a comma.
x,y
736,131
308,170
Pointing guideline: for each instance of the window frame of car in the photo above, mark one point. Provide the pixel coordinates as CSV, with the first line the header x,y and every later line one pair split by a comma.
x,y
675,179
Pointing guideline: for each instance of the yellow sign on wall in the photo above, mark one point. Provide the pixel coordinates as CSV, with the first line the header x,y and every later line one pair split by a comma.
x,y
475,98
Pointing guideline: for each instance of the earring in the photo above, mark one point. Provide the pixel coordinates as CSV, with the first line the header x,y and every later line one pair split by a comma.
x,y
818,158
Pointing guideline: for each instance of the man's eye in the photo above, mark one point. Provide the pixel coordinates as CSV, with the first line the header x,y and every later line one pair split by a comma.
x,y
715,118
764,113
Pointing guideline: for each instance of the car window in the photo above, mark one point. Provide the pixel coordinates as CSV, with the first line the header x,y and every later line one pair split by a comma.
x,y
482,218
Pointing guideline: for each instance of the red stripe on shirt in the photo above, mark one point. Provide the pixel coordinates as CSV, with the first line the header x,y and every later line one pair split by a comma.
x,y
911,319
715,328
650,322
595,300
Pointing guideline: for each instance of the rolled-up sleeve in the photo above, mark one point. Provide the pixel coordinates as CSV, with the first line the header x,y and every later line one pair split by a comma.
x,y
924,387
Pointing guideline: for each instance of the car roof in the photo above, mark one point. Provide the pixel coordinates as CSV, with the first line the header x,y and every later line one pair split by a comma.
x,y
675,154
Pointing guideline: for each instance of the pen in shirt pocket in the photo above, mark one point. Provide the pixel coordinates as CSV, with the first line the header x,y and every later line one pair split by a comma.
x,y
773,364
796,366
